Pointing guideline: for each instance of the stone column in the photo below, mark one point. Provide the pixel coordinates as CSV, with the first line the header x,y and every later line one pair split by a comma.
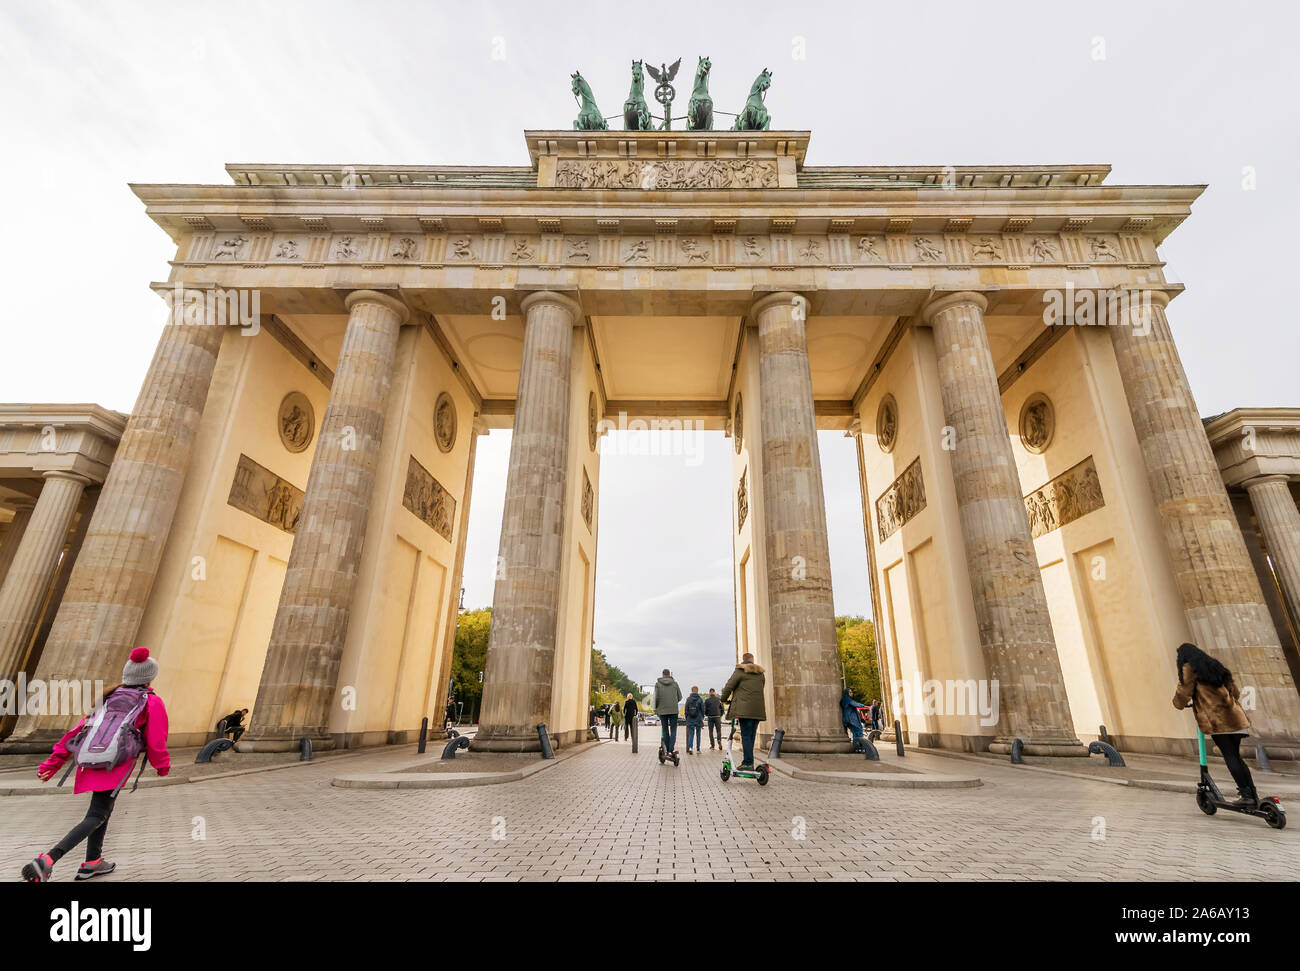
x,y
1006,585
1279,521
110,583
300,677
34,565
526,602
22,515
1221,595
805,660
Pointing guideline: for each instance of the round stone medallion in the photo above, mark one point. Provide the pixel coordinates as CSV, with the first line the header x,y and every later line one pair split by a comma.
x,y
738,424
887,423
444,422
591,420
1037,423
296,421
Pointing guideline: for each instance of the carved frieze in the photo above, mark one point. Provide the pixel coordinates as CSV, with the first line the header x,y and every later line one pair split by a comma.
x,y
742,500
588,499
666,174
1072,494
904,498
663,247
428,500
262,494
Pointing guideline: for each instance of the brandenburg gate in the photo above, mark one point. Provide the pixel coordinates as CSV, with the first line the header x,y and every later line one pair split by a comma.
x,y
284,520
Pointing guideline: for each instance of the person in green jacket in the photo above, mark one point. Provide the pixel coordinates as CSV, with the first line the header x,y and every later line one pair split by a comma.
x,y
615,718
744,689
668,695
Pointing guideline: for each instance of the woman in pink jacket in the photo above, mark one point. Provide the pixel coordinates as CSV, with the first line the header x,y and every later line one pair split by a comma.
x,y
103,784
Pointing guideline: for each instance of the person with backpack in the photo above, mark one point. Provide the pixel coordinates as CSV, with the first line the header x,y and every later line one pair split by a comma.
x,y
694,711
667,696
713,712
104,747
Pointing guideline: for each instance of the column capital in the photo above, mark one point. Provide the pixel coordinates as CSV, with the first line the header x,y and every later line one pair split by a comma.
x,y
1258,480
953,300
60,474
372,296
784,297
556,298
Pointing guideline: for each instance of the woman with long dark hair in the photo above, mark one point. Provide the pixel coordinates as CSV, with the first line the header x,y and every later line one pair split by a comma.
x,y
1207,686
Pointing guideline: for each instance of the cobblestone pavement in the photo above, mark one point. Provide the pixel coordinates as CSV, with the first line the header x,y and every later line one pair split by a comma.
x,y
607,815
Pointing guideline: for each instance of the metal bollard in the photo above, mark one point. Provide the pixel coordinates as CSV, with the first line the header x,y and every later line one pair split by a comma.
x,y
873,734
635,722
1102,748
1104,737
775,752
460,741
1261,759
898,736
424,735
864,745
545,739
1018,752
212,748
304,749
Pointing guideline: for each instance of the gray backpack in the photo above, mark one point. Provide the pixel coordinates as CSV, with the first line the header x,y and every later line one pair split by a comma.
x,y
109,737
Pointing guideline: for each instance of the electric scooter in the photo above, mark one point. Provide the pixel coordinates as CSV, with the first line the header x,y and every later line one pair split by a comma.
x,y
1210,800
664,754
760,772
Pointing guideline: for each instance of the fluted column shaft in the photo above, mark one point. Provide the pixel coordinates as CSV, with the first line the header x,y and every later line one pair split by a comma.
x,y
1220,590
1010,603
525,604
1279,521
110,583
300,676
805,659
17,526
28,582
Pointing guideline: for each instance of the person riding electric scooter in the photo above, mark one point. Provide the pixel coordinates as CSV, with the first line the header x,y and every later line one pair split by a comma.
x,y
744,689
667,696
1208,687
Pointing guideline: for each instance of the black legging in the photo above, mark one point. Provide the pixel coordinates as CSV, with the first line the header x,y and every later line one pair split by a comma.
x,y
91,829
1230,748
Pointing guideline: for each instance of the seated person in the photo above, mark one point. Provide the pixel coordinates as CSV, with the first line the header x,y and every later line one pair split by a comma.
x,y
233,725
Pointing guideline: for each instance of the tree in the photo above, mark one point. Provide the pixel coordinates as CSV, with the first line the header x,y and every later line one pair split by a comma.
x,y
856,639
470,657
617,685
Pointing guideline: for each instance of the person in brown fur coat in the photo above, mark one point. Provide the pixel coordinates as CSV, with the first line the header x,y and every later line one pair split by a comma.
x,y
1207,686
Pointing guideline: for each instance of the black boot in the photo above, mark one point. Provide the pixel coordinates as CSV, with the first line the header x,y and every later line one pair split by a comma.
x,y
1249,798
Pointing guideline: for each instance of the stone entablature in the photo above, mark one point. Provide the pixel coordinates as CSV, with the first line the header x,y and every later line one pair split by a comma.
x,y
1250,442
35,439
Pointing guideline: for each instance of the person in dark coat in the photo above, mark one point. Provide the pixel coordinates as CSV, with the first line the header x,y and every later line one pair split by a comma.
x,y
713,712
849,714
744,689
235,724
630,712
1207,686
694,712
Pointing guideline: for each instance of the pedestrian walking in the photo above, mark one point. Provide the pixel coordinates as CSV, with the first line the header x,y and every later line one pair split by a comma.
x,y
713,712
630,712
614,718
130,721
694,712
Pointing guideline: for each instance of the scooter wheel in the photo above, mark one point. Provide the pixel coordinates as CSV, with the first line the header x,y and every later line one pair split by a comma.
x,y
662,757
1205,803
726,773
762,775
677,760
1273,816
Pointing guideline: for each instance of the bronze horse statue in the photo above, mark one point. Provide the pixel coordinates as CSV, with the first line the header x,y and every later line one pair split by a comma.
x,y
699,114
636,113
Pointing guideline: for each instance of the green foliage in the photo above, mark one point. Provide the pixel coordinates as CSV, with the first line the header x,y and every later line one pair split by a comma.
x,y
469,658
856,639
617,684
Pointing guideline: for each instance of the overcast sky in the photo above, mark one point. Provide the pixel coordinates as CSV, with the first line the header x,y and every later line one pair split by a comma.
x,y
96,95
